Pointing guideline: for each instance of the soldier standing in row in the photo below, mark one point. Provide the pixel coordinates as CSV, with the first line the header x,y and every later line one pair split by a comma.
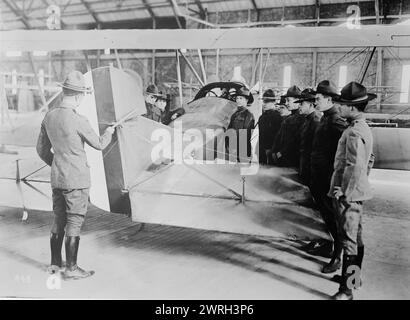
x,y
158,110
312,119
350,184
241,120
285,150
150,98
324,147
269,124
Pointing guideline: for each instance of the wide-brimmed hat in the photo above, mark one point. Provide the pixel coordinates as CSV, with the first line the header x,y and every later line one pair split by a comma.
x,y
269,95
293,91
307,95
244,91
75,81
354,93
152,89
326,88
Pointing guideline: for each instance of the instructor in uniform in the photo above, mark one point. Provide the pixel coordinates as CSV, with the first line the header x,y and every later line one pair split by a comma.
x,y
65,131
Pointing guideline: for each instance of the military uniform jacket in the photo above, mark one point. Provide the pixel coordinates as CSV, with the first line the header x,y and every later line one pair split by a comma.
x,y
65,132
309,127
243,119
269,125
149,107
287,141
156,114
353,160
325,140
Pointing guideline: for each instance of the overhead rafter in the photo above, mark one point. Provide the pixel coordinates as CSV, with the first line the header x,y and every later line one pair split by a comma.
x,y
258,11
149,9
173,5
317,12
91,12
17,11
202,13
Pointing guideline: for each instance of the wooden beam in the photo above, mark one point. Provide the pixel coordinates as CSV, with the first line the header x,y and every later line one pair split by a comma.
x,y
379,77
40,87
91,12
173,5
202,13
300,37
317,12
149,9
153,62
179,78
376,10
201,63
258,12
367,65
218,51
191,67
19,14
314,67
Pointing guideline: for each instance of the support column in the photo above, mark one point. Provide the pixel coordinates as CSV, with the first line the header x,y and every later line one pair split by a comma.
x,y
154,25
179,78
314,66
379,77
43,98
217,63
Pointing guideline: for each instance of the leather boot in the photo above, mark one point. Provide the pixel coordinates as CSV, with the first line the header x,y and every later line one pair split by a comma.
x,y
336,261
56,243
345,293
73,271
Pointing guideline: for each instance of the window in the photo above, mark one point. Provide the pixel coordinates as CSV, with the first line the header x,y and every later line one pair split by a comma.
x,y
405,84
287,72
13,53
40,53
342,76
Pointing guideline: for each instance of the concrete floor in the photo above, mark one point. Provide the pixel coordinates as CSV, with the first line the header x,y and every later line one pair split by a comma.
x,y
135,261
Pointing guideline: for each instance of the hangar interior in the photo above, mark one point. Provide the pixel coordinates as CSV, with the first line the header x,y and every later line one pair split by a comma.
x,y
170,259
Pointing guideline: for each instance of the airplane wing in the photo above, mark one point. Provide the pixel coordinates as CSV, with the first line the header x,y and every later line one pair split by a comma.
x,y
273,37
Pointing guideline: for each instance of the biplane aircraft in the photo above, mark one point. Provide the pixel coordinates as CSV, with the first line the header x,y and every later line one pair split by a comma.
x,y
215,195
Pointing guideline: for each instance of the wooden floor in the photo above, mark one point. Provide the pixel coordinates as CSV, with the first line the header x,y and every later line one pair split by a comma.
x,y
135,261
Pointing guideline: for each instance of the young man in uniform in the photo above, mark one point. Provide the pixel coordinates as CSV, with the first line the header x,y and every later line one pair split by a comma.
x,y
285,150
65,131
242,119
150,98
324,147
269,124
312,119
158,109
350,184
